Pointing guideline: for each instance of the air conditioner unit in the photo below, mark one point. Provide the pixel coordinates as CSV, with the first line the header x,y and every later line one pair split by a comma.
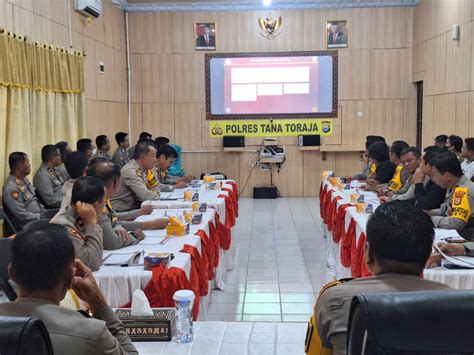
x,y
88,7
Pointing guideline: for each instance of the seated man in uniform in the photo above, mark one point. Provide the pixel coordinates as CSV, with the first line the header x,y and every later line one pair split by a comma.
x,y
165,157
63,150
399,242
398,182
76,164
119,228
81,220
456,211
85,145
143,136
44,268
369,167
121,155
441,141
48,181
133,188
410,161
19,197
455,144
467,165
384,168
103,147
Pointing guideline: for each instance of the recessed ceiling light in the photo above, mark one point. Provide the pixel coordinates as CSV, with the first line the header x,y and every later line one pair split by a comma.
x,y
267,2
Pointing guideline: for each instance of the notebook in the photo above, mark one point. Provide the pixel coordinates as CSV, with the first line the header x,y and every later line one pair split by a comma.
x,y
124,259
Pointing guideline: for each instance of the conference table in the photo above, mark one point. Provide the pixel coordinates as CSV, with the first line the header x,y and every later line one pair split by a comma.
x,y
240,338
201,258
344,229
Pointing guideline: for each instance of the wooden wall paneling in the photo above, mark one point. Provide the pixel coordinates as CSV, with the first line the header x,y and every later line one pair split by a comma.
x,y
78,42
335,139
409,17
347,163
188,125
120,79
444,117
314,32
206,140
463,117
471,113
386,119
466,10
385,79
108,18
117,121
313,167
118,29
43,29
136,120
94,110
23,21
227,31
60,35
448,15
183,30
25,4
136,78
195,163
90,69
135,32
291,37
158,77
440,64
93,30
227,163
189,77
386,31
249,38
290,178
429,83
428,125
6,14
419,58
458,61
354,128
105,81
410,88
420,23
472,56
159,120
409,121
354,74
359,23
255,177
156,36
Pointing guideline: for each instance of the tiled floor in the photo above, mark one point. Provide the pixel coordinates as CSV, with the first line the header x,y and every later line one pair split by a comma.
x,y
280,262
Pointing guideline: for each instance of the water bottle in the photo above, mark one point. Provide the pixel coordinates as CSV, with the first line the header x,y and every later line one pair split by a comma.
x,y
184,317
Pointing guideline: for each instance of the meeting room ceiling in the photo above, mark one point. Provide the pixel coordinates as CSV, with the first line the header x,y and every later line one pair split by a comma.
x,y
229,5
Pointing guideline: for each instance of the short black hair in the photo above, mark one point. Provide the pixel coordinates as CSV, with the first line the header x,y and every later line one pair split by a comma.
x,y
100,141
48,151
168,151
431,152
87,189
15,159
41,258
441,139
447,162
75,164
62,146
414,150
107,171
400,231
455,141
469,144
397,147
159,141
369,140
120,137
143,147
144,135
378,151
83,144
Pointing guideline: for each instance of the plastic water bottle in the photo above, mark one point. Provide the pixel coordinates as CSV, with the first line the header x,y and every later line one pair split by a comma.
x,y
184,318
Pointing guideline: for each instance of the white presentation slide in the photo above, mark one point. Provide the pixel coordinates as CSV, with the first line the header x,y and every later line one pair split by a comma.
x,y
299,88
270,75
244,92
269,89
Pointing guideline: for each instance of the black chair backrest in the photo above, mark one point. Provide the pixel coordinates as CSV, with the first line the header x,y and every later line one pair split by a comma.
x,y
40,223
8,227
423,322
50,213
23,335
5,257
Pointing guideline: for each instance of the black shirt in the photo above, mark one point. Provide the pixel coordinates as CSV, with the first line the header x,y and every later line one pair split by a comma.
x,y
385,171
429,197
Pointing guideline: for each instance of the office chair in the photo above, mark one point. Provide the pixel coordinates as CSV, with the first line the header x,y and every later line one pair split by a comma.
x,y
23,335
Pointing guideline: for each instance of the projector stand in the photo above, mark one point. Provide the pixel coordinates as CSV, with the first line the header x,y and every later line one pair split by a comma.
x,y
269,155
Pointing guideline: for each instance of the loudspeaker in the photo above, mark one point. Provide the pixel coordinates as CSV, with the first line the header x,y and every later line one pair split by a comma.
x,y
265,192
309,141
234,141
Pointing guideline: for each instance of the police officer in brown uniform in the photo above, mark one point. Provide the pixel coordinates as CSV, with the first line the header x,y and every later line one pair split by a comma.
x,y
19,195
48,180
121,157
399,242
133,188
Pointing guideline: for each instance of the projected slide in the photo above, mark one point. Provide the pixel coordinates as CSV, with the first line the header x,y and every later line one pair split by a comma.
x,y
277,86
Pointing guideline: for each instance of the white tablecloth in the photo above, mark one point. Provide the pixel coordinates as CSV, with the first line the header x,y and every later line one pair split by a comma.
x,y
459,279
239,338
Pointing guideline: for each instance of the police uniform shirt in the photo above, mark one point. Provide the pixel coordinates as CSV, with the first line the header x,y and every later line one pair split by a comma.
x,y
101,154
87,239
468,168
456,210
48,184
20,199
333,305
71,333
121,157
62,172
133,189
109,223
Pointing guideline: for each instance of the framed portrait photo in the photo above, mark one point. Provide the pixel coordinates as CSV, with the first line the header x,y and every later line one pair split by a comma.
x,y
337,34
205,36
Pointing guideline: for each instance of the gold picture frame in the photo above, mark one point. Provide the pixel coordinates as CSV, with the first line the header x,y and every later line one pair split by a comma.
x,y
339,39
205,36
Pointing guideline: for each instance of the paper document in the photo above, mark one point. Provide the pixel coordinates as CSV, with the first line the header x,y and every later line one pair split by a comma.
x,y
462,261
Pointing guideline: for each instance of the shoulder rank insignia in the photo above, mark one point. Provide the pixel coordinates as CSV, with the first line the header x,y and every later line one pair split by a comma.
x,y
19,182
139,172
15,195
105,210
75,233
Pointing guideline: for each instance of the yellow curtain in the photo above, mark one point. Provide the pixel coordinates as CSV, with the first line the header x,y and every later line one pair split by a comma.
x,y
41,97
